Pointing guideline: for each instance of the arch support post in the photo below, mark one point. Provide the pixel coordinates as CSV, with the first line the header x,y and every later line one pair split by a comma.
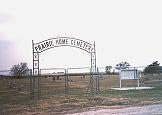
x,y
36,74
92,84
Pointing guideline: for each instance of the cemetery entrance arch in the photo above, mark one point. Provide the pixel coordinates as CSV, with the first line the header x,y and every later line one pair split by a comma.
x,y
58,42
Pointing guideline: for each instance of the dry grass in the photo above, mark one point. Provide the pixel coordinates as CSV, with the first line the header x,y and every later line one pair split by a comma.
x,y
11,102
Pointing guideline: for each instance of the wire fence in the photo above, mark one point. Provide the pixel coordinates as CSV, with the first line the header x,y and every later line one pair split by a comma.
x,y
61,81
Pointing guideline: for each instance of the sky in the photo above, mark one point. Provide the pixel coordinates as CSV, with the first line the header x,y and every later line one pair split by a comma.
x,y
123,30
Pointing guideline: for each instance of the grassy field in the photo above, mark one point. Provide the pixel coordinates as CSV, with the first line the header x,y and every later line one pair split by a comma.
x,y
54,101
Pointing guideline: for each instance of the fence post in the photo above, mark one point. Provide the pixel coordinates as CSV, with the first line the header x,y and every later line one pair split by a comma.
x,y
66,81
31,84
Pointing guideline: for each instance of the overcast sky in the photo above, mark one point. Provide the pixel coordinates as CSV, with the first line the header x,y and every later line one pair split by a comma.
x,y
123,30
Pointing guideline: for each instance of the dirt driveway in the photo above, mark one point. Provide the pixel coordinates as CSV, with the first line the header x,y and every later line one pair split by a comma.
x,y
142,110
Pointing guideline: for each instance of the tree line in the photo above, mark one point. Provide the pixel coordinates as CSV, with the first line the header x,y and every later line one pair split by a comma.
x,y
22,69
153,68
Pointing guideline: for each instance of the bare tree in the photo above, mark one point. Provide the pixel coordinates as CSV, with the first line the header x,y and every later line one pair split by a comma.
x,y
122,65
19,69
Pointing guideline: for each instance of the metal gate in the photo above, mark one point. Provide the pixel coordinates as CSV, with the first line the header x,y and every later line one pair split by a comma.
x,y
57,42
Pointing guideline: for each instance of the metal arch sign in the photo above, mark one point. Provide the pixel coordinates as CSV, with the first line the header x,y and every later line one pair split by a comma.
x,y
63,41
57,42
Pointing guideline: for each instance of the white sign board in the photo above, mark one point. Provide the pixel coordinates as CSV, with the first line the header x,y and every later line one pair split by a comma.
x,y
129,74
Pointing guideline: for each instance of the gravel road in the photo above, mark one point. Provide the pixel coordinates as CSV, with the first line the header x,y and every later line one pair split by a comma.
x,y
141,110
